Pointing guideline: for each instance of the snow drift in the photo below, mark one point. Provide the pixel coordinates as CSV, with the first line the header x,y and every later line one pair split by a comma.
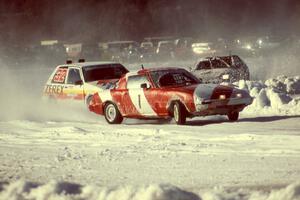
x,y
63,190
279,95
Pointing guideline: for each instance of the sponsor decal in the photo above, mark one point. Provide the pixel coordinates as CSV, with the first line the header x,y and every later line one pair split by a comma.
x,y
54,89
60,75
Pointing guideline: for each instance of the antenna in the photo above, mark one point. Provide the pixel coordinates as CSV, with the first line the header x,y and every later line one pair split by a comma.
x,y
142,66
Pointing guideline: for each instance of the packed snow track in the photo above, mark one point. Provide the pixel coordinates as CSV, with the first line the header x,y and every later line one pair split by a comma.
x,y
208,152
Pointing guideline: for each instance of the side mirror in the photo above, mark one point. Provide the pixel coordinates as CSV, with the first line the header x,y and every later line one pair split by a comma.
x,y
145,86
79,82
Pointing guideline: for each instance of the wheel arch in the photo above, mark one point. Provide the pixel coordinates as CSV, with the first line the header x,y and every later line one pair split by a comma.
x,y
171,103
88,98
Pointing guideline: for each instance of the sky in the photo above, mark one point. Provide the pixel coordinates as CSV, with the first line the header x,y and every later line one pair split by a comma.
x,y
28,21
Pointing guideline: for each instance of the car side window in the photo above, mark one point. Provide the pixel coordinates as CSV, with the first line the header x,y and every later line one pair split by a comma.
x,y
73,76
134,82
60,75
203,65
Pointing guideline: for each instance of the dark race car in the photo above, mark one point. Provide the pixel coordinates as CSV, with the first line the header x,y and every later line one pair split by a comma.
x,y
166,93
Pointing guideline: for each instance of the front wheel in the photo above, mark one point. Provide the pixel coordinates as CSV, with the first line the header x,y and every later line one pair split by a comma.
x,y
112,114
179,113
233,116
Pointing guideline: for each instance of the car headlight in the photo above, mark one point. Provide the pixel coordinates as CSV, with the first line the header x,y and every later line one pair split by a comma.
x,y
225,77
239,95
198,100
198,104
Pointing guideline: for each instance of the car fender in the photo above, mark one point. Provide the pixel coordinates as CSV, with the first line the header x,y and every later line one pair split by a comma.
x,y
98,101
173,99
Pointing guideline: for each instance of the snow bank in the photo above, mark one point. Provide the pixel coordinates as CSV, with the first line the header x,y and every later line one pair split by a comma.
x,y
63,190
56,190
291,192
279,95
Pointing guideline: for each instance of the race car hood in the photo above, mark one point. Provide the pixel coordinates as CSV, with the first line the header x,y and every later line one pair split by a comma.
x,y
207,91
214,91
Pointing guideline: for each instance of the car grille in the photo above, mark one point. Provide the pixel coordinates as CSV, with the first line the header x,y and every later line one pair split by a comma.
x,y
216,94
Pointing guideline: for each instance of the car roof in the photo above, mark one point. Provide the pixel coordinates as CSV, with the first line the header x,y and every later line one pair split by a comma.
x,y
86,64
122,42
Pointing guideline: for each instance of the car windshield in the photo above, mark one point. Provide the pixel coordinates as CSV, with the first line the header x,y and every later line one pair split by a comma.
x,y
218,63
103,72
174,78
233,61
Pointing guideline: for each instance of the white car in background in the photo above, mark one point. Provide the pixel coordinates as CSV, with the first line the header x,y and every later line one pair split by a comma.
x,y
221,69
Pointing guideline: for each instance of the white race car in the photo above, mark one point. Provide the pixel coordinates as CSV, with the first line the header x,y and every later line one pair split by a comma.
x,y
79,81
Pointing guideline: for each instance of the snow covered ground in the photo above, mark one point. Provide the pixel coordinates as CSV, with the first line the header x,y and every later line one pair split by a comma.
x,y
62,152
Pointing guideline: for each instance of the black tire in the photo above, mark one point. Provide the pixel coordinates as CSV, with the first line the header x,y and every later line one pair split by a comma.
x,y
179,113
233,116
112,114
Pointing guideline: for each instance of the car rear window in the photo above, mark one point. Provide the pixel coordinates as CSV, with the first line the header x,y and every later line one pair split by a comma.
x,y
103,72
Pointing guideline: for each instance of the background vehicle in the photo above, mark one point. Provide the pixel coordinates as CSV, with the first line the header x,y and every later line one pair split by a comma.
x,y
147,51
165,93
203,49
216,69
123,51
183,50
165,50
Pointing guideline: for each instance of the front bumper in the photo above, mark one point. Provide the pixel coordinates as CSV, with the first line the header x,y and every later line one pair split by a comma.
x,y
221,106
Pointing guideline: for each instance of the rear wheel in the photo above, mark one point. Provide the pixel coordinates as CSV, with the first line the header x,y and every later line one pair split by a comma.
x,y
179,113
233,116
112,114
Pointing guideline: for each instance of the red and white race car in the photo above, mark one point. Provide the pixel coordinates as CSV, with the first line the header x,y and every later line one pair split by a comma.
x,y
165,93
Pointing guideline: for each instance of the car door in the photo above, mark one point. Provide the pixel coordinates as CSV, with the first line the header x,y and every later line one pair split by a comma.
x,y
73,88
135,91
